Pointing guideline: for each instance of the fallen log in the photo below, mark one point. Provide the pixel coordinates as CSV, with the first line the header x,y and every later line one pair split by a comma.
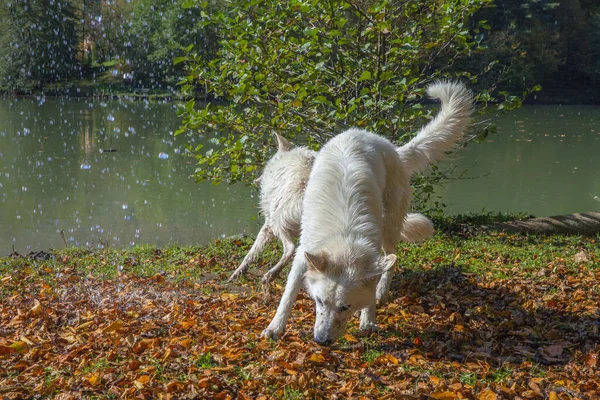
x,y
587,224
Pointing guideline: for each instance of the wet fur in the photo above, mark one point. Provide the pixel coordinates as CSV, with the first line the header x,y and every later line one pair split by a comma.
x,y
282,186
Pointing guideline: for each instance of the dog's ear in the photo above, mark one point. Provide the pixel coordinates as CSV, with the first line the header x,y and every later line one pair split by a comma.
x,y
282,143
315,263
384,264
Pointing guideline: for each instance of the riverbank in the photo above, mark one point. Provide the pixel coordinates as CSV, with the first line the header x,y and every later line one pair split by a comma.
x,y
107,88
472,316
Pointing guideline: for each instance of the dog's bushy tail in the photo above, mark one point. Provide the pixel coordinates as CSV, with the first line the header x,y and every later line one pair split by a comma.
x,y
444,131
417,228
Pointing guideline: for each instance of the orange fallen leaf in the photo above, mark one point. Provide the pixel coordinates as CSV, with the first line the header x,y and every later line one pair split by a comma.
x,y
487,394
144,379
317,358
552,396
93,379
350,338
114,326
229,296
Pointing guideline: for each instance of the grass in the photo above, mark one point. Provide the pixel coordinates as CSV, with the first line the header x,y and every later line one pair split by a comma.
x,y
469,311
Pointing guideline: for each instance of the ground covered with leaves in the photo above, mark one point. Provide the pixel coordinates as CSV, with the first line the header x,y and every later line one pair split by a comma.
x,y
476,317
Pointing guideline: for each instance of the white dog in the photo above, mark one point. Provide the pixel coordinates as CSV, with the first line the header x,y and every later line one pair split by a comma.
x,y
282,185
355,203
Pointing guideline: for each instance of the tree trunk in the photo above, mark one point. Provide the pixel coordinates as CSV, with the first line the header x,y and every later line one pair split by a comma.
x,y
574,224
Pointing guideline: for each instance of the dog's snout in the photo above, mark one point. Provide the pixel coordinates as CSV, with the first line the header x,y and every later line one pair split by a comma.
x,y
323,340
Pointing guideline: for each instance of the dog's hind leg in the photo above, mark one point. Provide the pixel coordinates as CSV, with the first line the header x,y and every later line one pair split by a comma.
x,y
288,253
264,236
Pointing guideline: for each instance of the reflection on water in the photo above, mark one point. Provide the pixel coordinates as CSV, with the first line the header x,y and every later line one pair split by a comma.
x,y
111,173
106,173
545,160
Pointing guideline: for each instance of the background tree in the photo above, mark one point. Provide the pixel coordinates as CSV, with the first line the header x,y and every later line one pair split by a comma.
x,y
38,42
547,42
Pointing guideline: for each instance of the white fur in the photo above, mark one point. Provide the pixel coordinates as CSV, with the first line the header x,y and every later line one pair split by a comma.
x,y
443,133
355,204
282,187
417,228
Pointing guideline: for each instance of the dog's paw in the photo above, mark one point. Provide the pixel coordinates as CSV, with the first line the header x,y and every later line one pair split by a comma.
x,y
272,333
237,274
368,327
267,278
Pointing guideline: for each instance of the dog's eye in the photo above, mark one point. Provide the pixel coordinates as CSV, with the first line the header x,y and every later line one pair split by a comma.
x,y
319,302
344,308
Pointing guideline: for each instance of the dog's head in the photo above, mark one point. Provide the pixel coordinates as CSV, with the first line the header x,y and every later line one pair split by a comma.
x,y
340,285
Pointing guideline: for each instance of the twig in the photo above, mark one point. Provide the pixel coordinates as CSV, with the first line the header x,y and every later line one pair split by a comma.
x,y
62,235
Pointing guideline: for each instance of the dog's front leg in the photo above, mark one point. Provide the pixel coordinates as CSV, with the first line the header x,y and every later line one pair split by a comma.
x,y
368,318
383,287
294,282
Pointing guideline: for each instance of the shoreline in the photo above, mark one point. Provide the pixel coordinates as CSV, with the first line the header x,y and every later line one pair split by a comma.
x,y
549,96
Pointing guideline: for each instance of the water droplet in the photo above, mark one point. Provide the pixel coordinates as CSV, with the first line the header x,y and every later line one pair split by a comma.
x,y
163,156
85,165
110,118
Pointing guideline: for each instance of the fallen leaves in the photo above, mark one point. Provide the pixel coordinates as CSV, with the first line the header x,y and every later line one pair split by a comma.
x,y
446,335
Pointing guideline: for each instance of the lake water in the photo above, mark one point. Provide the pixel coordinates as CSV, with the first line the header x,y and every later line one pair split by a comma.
x,y
55,174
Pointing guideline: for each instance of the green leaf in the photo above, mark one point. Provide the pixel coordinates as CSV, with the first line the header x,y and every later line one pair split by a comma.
x,y
364,76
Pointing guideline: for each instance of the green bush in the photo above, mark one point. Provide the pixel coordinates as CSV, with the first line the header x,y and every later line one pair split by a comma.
x,y
310,69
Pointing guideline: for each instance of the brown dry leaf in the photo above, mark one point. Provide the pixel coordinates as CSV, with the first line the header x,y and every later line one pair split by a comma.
x,y
85,325
554,350
444,395
330,374
591,360
536,388
114,326
4,350
581,257
487,394
243,396
37,308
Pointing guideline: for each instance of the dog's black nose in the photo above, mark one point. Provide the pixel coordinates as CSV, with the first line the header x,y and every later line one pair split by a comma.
x,y
323,341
